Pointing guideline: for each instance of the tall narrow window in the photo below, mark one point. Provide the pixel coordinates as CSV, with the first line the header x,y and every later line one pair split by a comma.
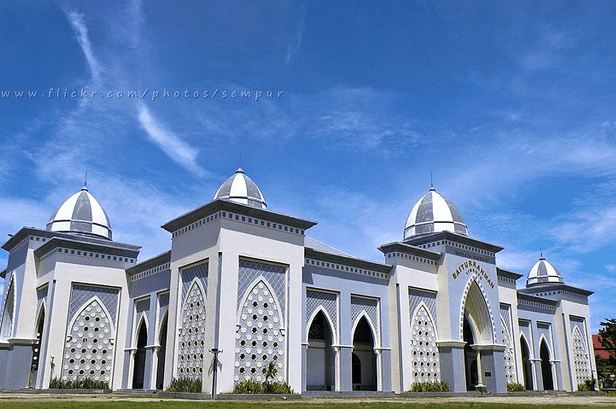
x,y
425,355
192,335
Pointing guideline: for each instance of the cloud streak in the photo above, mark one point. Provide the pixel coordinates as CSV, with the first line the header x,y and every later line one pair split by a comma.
x,y
81,31
178,150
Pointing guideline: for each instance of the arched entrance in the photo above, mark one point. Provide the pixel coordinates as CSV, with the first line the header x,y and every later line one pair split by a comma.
x,y
546,367
470,358
139,367
36,349
162,341
321,356
363,349
526,366
478,335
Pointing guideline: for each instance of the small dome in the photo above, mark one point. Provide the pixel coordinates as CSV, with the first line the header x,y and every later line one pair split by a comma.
x,y
543,272
81,214
240,188
433,213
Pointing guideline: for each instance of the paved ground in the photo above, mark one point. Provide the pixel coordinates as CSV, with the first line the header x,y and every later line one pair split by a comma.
x,y
559,399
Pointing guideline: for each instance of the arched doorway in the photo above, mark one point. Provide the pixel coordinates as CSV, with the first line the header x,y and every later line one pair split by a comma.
x,y
470,358
478,333
363,349
139,367
162,341
526,367
546,367
321,356
36,349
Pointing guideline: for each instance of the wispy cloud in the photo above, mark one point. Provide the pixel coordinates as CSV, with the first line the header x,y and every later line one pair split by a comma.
x,y
294,46
81,31
178,150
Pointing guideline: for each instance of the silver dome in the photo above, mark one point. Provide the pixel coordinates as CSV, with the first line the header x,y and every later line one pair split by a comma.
x,y
82,214
543,272
433,213
240,188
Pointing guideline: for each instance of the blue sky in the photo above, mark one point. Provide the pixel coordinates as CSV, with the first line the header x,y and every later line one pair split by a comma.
x,y
510,105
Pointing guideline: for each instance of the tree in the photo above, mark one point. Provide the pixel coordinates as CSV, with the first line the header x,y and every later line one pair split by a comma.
x,y
607,336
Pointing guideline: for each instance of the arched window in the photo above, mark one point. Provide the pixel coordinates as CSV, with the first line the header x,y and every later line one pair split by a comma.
x,y
425,355
8,313
259,339
88,351
191,342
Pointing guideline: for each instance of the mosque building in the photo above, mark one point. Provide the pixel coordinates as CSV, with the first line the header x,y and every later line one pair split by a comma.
x,y
249,284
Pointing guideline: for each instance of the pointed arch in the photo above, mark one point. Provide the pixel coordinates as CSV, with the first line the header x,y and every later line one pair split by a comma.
x,y
191,339
580,355
140,353
162,351
371,326
475,306
321,357
364,367
546,366
8,314
161,333
328,319
526,362
508,355
250,289
38,336
425,357
89,346
260,337
142,319
86,305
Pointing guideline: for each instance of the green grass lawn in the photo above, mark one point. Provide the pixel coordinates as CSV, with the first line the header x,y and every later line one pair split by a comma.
x,y
172,404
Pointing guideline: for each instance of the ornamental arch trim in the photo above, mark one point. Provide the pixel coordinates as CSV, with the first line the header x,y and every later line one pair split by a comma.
x,y
8,311
42,308
375,338
89,348
531,347
142,319
316,311
480,314
247,293
190,345
548,344
425,356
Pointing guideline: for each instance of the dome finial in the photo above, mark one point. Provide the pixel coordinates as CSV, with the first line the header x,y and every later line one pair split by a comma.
x,y
85,181
431,183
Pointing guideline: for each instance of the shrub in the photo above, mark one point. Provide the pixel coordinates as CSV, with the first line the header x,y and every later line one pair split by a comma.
x,y
588,385
86,383
252,387
255,387
515,387
439,386
185,385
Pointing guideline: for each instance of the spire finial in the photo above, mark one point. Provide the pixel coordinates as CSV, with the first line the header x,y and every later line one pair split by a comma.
x,y
431,183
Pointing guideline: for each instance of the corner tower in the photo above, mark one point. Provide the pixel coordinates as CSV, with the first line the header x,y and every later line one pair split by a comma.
x,y
446,282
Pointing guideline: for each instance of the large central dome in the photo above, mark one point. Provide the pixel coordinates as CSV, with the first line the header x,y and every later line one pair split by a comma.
x,y
240,188
433,213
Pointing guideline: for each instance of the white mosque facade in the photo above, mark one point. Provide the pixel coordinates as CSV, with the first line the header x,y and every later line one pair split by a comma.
x,y
250,283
